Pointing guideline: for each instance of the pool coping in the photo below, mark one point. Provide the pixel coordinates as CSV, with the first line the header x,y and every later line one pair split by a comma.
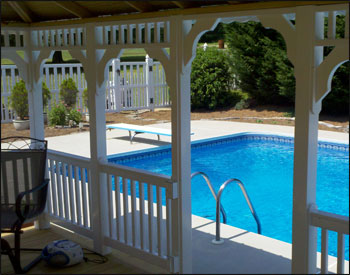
x,y
287,138
243,252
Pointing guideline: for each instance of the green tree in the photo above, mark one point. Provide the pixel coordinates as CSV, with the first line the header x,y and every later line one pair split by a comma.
x,y
259,61
19,99
68,92
85,96
213,36
337,101
46,94
260,64
57,57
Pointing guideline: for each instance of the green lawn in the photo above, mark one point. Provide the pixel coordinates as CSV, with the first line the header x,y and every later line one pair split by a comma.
x,y
215,44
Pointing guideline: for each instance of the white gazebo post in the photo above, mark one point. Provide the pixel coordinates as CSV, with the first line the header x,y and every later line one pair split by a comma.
x,y
35,99
309,26
35,104
98,152
181,142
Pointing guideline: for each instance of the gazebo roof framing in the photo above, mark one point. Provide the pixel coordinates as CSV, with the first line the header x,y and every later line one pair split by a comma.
x,y
45,13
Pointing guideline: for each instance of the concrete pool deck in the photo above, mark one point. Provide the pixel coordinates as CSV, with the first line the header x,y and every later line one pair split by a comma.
x,y
242,251
118,140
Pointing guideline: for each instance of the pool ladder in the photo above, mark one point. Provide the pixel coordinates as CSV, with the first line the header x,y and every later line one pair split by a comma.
x,y
205,176
220,208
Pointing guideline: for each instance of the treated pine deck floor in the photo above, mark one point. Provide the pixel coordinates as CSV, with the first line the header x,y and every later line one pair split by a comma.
x,y
33,238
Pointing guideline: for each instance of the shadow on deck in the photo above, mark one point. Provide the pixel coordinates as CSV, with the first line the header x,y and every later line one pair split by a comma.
x,y
242,253
33,238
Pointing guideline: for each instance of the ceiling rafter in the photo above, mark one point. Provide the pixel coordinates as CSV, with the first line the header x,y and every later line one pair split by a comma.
x,y
22,10
182,4
141,6
74,8
239,2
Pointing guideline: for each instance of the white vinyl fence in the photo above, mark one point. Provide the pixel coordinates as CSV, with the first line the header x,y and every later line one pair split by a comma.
x,y
130,86
9,77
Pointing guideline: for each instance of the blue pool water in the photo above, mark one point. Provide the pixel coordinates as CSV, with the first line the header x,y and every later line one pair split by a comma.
x,y
265,165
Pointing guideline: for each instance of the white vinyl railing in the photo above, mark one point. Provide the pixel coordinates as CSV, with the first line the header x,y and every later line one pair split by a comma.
x,y
140,206
130,85
69,194
330,222
140,212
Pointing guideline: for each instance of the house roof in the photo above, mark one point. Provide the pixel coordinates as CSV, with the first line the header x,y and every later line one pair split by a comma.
x,y
67,12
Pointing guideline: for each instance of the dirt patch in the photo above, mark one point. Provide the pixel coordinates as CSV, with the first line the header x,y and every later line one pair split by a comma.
x,y
263,114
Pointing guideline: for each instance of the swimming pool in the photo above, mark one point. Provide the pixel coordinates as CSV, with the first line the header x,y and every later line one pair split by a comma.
x,y
264,163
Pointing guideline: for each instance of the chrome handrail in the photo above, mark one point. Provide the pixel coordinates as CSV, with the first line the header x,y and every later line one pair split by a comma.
x,y
205,176
217,239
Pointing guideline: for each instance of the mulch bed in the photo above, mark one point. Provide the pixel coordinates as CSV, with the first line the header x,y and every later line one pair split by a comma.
x,y
263,115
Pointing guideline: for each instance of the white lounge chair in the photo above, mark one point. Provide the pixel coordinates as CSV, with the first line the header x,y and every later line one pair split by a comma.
x,y
140,130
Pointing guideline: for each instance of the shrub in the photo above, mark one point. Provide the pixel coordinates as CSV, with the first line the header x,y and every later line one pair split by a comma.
x,y
211,80
19,99
74,115
85,96
46,95
57,115
242,99
68,92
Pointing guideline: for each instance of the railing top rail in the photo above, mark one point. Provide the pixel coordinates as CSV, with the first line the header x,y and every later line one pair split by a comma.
x,y
11,66
63,65
329,221
66,157
141,21
133,63
136,174
8,66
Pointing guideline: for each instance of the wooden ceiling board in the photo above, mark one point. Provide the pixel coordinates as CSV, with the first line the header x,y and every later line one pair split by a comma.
x,y
103,5
141,6
8,13
74,8
22,10
106,7
48,10
164,4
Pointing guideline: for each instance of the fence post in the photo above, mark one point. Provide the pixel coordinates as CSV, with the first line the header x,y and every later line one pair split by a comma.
x,y
116,85
5,93
149,82
80,89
